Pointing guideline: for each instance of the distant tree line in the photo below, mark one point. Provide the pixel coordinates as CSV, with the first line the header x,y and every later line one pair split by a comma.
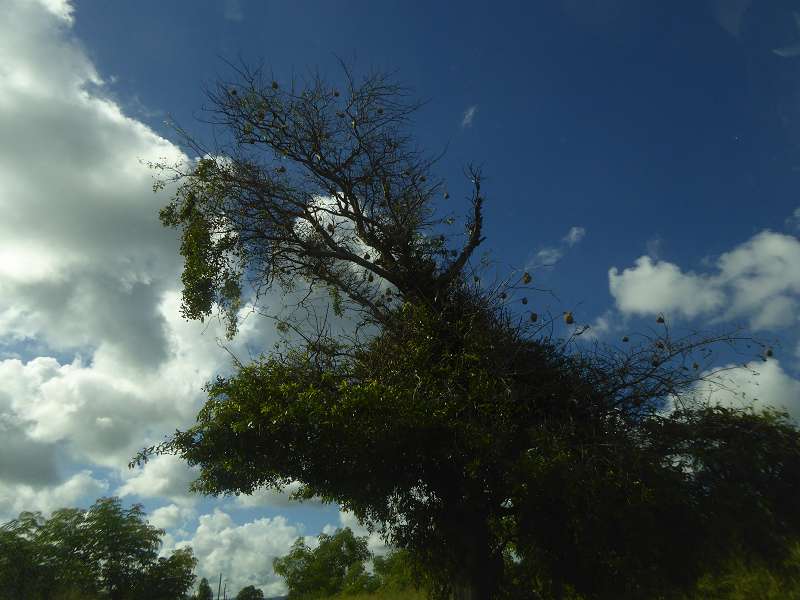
x,y
107,552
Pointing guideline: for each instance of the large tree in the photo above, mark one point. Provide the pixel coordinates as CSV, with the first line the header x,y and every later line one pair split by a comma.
x,y
509,460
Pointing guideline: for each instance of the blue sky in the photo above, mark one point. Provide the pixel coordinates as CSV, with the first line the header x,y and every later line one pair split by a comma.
x,y
649,151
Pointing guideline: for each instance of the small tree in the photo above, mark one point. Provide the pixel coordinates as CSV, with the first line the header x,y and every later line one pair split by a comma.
x,y
250,593
169,578
494,451
204,590
336,565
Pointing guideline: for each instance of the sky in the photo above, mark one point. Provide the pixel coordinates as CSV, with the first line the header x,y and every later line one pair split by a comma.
x,y
639,158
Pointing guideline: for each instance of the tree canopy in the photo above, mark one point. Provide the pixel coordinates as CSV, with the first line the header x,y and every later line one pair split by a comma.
x,y
334,566
204,591
250,593
511,461
106,551
337,565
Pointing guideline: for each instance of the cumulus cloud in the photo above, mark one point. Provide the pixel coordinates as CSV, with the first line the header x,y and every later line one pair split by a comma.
x,y
103,411
83,260
267,497
374,542
758,280
96,360
60,8
765,385
469,116
164,476
80,489
651,287
170,516
242,553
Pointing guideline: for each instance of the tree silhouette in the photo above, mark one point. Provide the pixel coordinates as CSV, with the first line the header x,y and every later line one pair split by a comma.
x,y
509,460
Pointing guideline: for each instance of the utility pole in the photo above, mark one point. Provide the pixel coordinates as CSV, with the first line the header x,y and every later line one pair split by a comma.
x,y
219,585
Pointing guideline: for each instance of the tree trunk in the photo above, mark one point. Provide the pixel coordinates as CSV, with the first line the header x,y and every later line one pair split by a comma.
x,y
484,569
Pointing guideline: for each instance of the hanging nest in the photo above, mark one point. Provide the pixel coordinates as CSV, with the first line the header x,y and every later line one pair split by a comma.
x,y
660,319
568,318
695,366
281,169
526,278
503,296
330,228
446,195
534,317
336,93
370,278
274,85
769,353
625,338
524,300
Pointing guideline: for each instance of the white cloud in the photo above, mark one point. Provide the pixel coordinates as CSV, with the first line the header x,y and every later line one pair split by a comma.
x,y
469,116
653,246
550,255
758,280
267,497
62,9
88,277
80,488
170,516
164,476
574,236
374,542
601,327
83,260
652,287
765,385
242,553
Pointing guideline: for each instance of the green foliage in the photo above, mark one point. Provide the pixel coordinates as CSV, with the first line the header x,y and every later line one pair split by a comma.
x,y
396,572
508,464
743,578
107,551
204,591
250,593
336,565
169,578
